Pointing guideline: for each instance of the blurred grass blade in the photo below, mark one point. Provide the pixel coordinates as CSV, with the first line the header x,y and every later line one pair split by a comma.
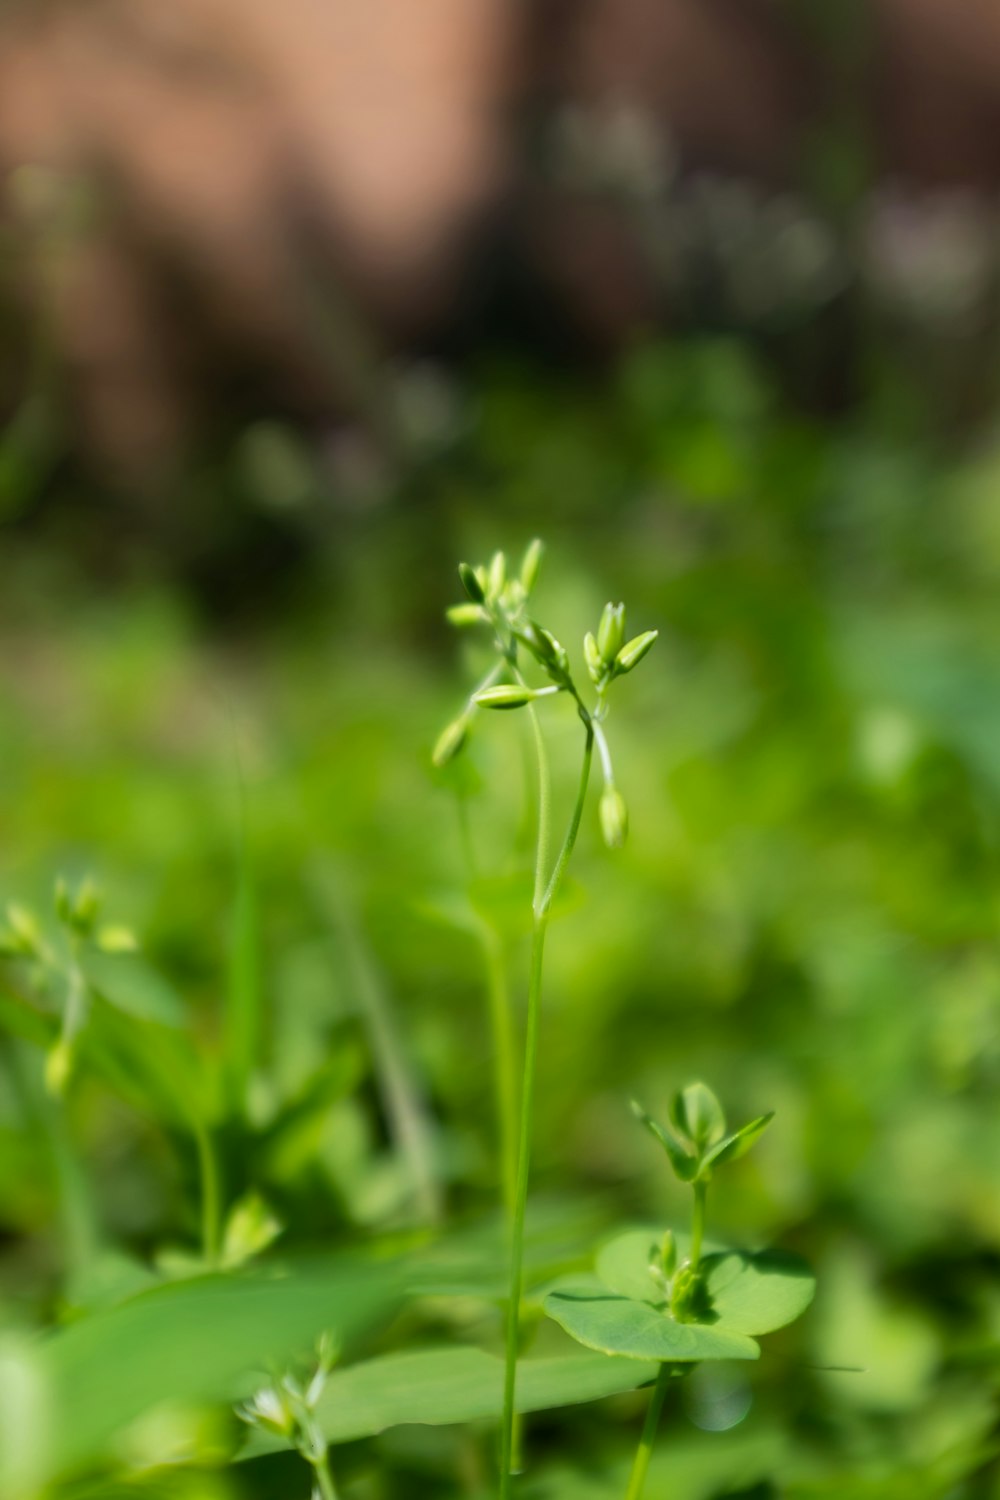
x,y
405,1113
244,989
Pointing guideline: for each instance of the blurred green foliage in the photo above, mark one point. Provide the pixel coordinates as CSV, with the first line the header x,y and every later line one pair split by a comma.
x,y
806,912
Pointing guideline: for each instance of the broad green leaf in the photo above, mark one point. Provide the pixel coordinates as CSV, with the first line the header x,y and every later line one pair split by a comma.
x,y
196,1340
600,1319
442,1386
757,1293
696,1113
750,1293
739,1143
623,1263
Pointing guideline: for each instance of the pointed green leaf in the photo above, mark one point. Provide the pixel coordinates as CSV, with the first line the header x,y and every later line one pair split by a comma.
x,y
739,1143
696,1113
683,1163
471,583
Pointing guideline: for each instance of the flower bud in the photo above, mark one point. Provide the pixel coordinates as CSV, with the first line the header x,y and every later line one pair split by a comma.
x,y
505,695
530,565
465,614
497,575
471,583
611,632
631,654
449,743
592,656
614,817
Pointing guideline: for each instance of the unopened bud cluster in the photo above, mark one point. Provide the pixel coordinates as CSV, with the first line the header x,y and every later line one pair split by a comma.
x,y
697,1140
499,599
288,1408
56,968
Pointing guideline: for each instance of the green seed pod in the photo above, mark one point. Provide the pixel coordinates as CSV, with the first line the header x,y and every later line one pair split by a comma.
x,y
631,654
466,614
497,575
450,742
614,817
471,584
611,632
505,695
593,658
531,563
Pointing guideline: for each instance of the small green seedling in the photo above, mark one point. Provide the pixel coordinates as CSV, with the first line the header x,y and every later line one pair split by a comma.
x,y
287,1409
656,1295
499,600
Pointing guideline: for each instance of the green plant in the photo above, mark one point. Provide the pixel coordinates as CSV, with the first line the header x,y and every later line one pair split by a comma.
x,y
287,1409
657,1295
499,601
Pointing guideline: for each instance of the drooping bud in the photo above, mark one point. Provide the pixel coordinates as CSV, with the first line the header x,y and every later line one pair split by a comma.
x,y
450,742
505,695
471,583
611,632
614,817
631,654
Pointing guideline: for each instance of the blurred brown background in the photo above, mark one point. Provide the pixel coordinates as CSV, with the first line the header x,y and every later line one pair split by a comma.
x,y
222,200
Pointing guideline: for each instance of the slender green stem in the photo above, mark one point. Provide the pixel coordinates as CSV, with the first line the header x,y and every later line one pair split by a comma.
x,y
324,1479
637,1480
521,1201
544,809
563,858
211,1207
698,1222
545,894
505,1080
